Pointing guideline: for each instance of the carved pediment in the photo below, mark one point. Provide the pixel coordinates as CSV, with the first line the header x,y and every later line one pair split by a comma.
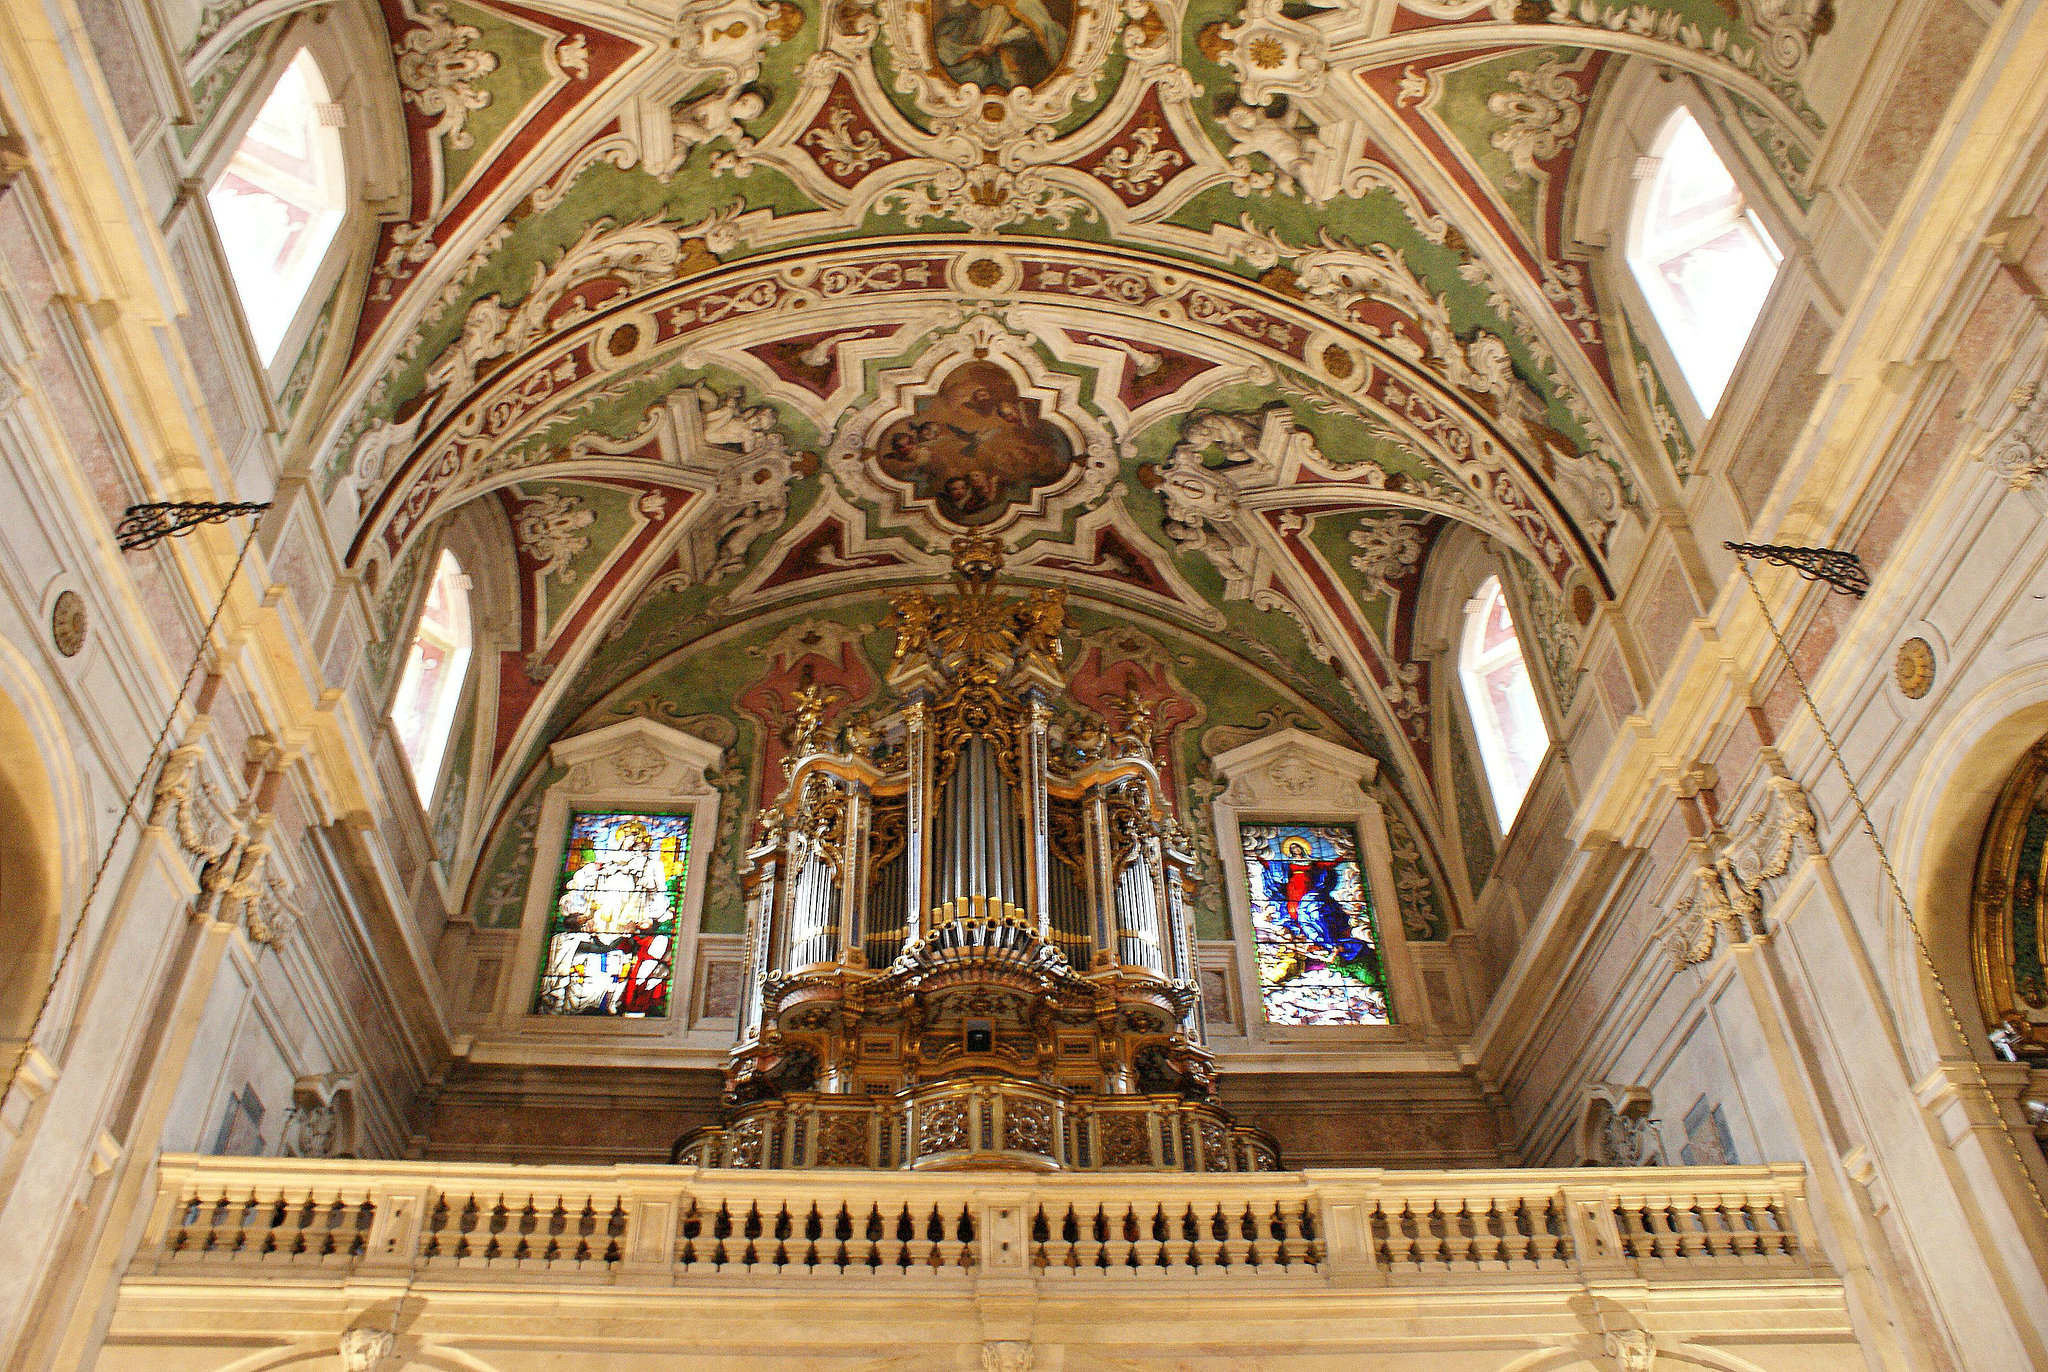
x,y
1292,770
637,757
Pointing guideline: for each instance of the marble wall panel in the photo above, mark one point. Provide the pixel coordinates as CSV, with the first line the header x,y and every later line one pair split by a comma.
x,y
1791,394
1919,94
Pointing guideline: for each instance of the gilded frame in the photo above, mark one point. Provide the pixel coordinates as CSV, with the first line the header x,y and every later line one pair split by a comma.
x,y
1992,891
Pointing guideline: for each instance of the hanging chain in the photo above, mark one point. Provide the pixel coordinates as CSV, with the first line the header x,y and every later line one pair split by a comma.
x,y
1948,1004
128,812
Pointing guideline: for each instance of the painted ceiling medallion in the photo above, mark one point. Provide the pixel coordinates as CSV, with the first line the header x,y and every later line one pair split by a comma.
x,y
995,70
976,433
976,447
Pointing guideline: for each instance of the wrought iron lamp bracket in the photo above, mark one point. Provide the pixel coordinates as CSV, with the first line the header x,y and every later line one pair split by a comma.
x,y
1841,571
145,526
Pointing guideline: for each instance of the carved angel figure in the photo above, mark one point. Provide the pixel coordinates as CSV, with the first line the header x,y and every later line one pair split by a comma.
x,y
911,616
809,705
1202,515
1040,621
1138,731
1292,153
722,114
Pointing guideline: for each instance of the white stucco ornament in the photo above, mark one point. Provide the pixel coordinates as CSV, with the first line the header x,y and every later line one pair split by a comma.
x,y
367,1350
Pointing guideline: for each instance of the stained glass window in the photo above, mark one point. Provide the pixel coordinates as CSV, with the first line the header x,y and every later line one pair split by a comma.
x,y
1312,925
611,933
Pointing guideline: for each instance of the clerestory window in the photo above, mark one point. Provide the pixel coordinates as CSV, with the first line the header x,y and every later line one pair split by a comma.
x,y
1512,739
431,684
280,200
1700,254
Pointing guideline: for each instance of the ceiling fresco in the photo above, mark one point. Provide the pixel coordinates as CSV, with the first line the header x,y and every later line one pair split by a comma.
x,y
1217,312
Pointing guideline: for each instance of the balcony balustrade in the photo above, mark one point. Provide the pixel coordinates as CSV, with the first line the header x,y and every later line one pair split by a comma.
x,y
229,1219
252,1263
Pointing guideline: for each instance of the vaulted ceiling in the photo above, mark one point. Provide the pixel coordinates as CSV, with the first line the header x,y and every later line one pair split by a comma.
x,y
1220,313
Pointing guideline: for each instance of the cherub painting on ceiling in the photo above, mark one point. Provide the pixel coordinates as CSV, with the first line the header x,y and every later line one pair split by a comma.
x,y
976,447
1000,44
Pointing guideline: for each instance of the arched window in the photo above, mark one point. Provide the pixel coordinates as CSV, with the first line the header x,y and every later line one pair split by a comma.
x,y
279,201
1512,739
431,684
1702,258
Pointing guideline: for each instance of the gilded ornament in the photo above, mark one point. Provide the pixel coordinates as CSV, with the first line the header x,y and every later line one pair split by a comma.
x,y
1914,668
67,623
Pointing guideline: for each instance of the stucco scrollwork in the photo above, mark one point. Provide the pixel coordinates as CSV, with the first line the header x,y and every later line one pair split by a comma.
x,y
1543,117
549,530
1788,28
367,1350
2020,454
1271,53
438,63
1725,889
639,254
1389,550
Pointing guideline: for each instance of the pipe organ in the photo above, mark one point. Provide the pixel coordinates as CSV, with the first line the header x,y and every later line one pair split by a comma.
x,y
968,933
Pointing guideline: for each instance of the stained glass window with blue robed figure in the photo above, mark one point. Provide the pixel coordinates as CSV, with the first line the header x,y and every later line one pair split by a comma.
x,y
611,933
1312,925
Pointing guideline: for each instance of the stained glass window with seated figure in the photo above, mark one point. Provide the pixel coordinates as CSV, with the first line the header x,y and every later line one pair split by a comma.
x,y
611,934
1313,929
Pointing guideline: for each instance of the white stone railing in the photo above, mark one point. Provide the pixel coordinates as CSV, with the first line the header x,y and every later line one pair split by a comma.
x,y
236,1218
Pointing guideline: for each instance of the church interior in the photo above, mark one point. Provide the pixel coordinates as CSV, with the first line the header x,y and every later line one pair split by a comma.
x,y
1461,786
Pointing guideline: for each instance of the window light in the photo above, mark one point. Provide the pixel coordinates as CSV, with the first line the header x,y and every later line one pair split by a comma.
x,y
1702,258
1512,739
279,202
431,685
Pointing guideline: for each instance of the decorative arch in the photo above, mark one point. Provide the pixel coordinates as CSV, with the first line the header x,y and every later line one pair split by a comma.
x,y
1467,427
32,871
1967,768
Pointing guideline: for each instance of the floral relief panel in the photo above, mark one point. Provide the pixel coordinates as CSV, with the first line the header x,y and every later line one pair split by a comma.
x,y
611,931
1313,926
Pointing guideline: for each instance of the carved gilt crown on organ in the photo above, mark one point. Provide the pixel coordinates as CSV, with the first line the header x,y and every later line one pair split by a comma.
x,y
969,939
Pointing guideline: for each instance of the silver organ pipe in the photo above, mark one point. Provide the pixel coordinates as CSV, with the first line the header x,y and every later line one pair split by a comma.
x,y
1137,913
814,911
1067,885
887,907
980,843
